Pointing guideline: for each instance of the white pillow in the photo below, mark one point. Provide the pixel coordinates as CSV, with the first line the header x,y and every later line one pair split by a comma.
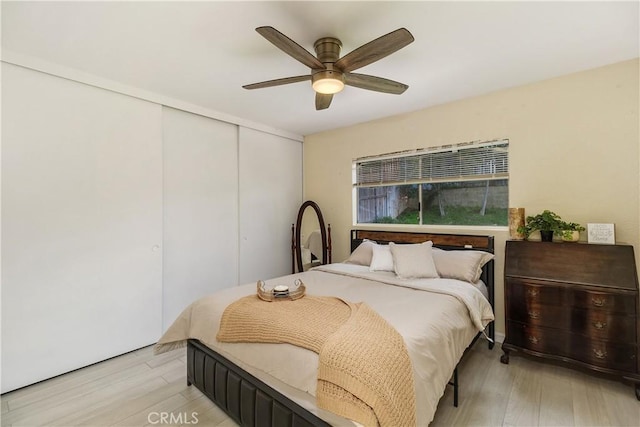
x,y
413,261
362,254
462,265
381,259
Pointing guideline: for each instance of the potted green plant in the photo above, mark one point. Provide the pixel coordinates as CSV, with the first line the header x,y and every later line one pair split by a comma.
x,y
546,223
570,231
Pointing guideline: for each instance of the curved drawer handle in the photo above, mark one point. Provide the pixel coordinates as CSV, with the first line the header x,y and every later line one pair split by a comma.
x,y
598,302
599,325
600,354
533,340
533,292
534,314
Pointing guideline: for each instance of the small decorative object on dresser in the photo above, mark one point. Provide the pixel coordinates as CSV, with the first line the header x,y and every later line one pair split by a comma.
x,y
570,231
577,304
516,221
548,223
601,233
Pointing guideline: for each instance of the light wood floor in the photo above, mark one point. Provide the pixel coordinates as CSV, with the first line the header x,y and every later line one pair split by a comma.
x,y
132,390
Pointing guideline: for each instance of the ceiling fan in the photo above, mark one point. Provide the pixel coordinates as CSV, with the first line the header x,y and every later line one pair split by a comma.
x,y
329,72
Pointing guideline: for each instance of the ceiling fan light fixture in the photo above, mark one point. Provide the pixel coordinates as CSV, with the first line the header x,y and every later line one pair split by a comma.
x,y
329,71
328,82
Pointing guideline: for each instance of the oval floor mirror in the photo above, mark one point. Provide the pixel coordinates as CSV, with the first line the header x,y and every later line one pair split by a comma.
x,y
310,240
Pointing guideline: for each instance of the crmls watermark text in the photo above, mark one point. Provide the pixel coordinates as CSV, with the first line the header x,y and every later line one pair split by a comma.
x,y
171,418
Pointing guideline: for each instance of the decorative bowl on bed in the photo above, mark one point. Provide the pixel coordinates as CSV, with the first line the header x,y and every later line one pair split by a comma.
x,y
280,292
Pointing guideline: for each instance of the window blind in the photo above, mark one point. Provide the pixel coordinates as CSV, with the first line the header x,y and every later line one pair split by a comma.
x,y
463,162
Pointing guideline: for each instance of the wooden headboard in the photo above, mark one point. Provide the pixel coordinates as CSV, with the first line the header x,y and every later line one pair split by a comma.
x,y
442,241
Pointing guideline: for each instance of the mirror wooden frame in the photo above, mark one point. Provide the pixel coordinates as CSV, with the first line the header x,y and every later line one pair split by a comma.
x,y
296,245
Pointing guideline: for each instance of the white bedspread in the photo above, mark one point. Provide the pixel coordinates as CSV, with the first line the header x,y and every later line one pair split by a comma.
x,y
437,318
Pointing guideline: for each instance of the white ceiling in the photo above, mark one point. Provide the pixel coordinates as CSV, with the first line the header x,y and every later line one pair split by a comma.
x,y
203,52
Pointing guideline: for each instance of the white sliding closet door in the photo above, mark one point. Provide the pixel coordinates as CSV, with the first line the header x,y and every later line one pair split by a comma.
x,y
270,195
81,225
200,209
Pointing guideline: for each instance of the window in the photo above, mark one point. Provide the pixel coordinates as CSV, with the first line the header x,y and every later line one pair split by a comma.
x,y
464,184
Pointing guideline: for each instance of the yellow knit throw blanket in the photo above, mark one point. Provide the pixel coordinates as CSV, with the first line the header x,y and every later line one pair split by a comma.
x,y
364,372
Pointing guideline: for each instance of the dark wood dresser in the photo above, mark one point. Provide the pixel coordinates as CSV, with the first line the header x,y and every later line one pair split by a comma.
x,y
576,303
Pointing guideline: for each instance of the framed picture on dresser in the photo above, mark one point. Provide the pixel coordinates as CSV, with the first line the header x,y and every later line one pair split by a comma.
x,y
601,233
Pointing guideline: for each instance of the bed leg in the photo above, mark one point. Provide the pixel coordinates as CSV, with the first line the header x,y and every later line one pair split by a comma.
x,y
455,387
454,383
188,383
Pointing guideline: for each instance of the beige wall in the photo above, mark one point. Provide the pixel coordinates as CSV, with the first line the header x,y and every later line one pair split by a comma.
x,y
574,149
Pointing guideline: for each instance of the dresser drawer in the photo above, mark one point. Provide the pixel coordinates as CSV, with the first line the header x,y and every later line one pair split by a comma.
x,y
554,295
604,326
621,357
610,302
537,338
533,293
597,324
536,314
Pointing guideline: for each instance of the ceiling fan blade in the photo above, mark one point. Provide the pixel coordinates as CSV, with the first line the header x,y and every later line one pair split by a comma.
x,y
290,47
277,82
323,101
378,84
374,50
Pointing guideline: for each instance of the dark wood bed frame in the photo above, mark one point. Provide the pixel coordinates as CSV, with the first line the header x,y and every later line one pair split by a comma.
x,y
251,402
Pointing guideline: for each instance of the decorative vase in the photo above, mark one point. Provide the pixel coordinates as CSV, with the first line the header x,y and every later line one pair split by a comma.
x,y
574,237
516,219
546,235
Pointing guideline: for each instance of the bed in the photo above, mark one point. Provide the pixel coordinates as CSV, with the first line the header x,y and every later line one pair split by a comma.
x,y
274,384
